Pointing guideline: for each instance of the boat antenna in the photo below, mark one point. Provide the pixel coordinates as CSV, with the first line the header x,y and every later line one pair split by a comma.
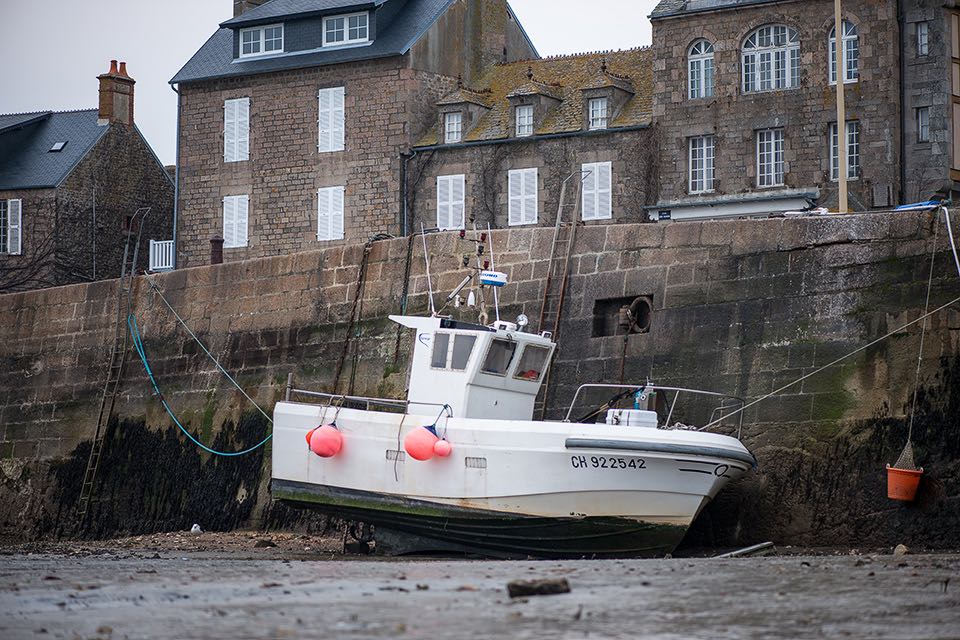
x,y
426,259
493,267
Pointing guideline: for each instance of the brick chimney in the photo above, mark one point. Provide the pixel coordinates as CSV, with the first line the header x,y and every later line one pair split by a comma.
x,y
116,95
242,6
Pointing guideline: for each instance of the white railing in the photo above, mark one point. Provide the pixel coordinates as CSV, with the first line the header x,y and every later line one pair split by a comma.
x,y
161,255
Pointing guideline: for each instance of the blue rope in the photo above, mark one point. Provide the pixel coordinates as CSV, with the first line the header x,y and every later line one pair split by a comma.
x,y
138,344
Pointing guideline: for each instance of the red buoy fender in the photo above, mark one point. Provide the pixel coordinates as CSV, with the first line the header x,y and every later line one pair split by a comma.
x,y
326,441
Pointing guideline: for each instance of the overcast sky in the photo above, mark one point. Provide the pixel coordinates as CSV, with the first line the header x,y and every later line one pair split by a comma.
x,y
52,50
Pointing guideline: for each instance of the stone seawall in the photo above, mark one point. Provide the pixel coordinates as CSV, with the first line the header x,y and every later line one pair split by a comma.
x,y
741,307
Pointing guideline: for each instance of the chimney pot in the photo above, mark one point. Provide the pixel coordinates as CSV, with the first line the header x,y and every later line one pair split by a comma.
x,y
113,67
123,69
116,95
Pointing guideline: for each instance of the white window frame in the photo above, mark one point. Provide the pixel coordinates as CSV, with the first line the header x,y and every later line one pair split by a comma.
x,y
522,196
12,227
852,146
452,127
923,39
770,155
346,29
851,54
702,168
524,120
451,201
923,124
700,70
236,218
331,202
596,200
331,121
770,59
261,41
598,113
236,130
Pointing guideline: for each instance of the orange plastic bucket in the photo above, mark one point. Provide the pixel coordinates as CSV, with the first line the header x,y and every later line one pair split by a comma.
x,y
902,483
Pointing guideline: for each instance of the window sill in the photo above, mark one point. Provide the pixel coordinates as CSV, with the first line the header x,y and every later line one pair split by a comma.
x,y
523,224
767,92
705,192
836,181
597,219
833,83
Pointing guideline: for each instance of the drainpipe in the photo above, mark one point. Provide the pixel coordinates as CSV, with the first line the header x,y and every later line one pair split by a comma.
x,y
902,27
405,157
176,181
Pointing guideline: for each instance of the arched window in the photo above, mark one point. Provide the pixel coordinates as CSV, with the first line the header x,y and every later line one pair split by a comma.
x,y
700,68
851,53
771,59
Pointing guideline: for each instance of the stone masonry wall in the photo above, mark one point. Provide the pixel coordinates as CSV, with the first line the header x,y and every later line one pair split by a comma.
x,y
741,307
804,113
34,266
382,116
632,154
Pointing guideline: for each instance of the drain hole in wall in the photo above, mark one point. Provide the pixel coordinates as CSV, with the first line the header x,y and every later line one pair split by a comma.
x,y
618,316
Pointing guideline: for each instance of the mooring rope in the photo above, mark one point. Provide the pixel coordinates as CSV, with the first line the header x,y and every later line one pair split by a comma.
x,y
138,345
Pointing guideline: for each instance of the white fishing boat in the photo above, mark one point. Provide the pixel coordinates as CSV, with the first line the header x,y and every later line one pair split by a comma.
x,y
493,481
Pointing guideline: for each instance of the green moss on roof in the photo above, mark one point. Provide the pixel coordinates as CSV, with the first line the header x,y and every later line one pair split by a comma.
x,y
565,77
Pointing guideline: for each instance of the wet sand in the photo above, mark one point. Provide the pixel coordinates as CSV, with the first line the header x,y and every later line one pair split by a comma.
x,y
192,587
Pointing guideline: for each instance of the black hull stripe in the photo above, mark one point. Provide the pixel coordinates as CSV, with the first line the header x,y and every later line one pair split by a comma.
x,y
661,447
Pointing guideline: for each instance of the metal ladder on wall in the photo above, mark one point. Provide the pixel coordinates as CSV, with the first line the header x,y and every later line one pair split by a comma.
x,y
554,291
118,353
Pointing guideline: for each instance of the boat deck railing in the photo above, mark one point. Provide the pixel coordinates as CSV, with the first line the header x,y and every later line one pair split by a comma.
x,y
727,404
338,400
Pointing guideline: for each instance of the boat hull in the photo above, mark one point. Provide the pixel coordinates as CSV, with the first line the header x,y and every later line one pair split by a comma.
x,y
509,488
404,525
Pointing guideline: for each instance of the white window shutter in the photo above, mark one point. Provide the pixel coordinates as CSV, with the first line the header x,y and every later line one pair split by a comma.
x,y
336,213
323,214
604,191
14,228
331,120
229,222
243,129
589,195
443,202
515,209
229,131
530,196
330,213
457,200
243,209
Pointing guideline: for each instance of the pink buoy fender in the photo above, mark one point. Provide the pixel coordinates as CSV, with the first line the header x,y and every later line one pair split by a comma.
x,y
326,441
419,443
442,448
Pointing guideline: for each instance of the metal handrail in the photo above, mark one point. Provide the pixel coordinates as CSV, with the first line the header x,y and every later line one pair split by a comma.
x,y
339,399
724,404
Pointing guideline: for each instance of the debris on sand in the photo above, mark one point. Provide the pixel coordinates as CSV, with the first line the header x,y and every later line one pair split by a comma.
x,y
545,587
900,550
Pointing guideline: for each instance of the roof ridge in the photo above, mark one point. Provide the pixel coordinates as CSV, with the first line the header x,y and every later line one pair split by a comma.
x,y
50,111
579,54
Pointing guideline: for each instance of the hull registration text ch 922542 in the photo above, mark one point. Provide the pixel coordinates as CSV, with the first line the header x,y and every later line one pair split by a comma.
x,y
607,462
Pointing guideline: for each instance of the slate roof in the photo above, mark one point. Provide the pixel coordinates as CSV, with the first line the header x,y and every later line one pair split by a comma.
x,y
567,77
463,95
669,8
25,158
215,57
271,11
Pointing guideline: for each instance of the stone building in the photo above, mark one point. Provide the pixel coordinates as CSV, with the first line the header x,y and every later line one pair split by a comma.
x,y
745,103
294,115
502,146
70,183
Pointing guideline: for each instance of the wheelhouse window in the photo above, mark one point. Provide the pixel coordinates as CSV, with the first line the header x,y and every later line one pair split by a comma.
x,y
453,127
853,151
533,362
258,41
347,29
499,357
598,113
702,156
452,354
851,54
524,120
700,70
771,59
770,158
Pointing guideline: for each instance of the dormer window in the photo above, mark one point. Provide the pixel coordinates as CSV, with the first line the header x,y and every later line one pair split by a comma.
x,y
258,41
352,28
453,127
524,120
598,113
